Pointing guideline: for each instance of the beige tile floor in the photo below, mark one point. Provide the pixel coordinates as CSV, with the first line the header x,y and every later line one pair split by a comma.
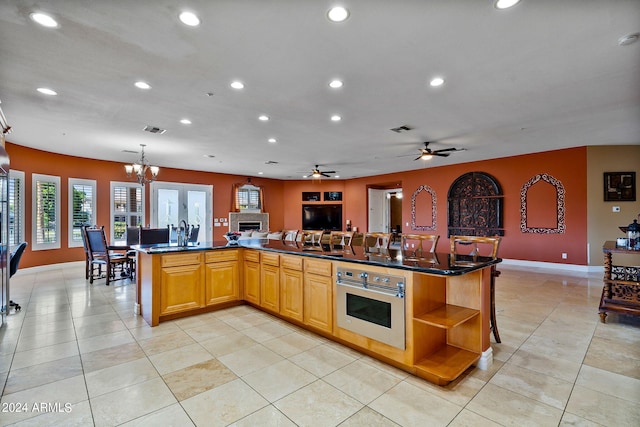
x,y
78,350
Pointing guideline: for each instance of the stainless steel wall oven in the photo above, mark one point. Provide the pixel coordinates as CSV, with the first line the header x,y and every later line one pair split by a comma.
x,y
372,305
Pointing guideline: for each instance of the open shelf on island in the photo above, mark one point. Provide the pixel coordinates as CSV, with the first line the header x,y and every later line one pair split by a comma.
x,y
448,316
446,364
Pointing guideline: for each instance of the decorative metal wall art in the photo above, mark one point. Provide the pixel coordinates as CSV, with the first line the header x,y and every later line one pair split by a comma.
x,y
432,193
560,228
475,206
619,186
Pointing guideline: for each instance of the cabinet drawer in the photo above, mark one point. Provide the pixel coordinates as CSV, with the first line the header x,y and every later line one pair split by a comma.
x,y
291,262
221,255
322,268
250,255
175,260
270,258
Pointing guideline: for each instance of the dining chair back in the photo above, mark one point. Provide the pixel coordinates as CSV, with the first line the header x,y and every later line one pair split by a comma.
x,y
340,240
193,234
100,255
151,236
418,245
311,237
289,235
374,242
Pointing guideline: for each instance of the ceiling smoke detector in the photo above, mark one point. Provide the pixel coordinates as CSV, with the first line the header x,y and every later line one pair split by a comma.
x,y
154,129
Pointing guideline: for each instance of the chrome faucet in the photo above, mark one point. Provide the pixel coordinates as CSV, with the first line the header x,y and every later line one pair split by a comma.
x,y
183,233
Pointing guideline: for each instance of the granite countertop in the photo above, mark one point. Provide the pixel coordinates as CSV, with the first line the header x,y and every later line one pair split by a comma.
x,y
433,263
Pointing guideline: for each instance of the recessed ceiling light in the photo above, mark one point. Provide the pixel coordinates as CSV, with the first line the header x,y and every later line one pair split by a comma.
x,y
44,20
337,14
185,121
436,81
260,173
336,84
142,85
237,85
189,18
272,140
263,118
336,176
47,91
505,4
336,118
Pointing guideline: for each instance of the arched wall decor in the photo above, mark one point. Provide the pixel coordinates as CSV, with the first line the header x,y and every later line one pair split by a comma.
x,y
559,205
475,206
429,190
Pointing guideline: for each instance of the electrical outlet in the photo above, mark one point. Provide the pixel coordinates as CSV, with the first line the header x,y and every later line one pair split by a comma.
x,y
407,224
616,209
564,255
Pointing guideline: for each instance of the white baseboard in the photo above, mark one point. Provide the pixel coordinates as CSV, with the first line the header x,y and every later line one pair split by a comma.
x,y
554,266
486,360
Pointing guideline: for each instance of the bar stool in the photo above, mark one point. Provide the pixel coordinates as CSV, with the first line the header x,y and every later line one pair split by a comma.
x,y
418,245
311,237
478,244
374,242
340,240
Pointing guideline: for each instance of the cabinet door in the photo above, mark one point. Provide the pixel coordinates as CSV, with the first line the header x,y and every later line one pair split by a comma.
x,y
291,300
270,287
182,289
222,282
252,282
318,301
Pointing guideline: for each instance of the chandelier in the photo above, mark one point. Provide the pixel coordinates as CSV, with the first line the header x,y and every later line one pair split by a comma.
x,y
138,170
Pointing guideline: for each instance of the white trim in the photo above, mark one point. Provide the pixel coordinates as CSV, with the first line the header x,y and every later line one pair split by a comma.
x,y
36,177
19,175
94,189
554,266
486,360
112,213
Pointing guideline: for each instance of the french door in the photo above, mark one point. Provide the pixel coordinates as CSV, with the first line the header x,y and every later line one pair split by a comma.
x,y
173,202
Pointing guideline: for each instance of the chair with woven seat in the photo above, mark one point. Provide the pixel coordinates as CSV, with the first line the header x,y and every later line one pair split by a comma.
x,y
416,246
465,249
100,255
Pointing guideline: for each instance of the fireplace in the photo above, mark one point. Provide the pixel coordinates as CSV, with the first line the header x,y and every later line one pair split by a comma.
x,y
249,225
248,221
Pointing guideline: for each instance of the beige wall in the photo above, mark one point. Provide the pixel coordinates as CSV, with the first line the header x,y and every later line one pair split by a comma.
x,y
602,223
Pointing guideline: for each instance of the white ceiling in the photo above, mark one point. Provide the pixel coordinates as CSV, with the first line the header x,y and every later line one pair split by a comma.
x,y
543,75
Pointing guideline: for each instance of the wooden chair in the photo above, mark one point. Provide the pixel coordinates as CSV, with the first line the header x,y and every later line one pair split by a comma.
x,y
418,245
86,252
311,237
100,255
193,234
339,240
289,235
374,242
133,238
471,247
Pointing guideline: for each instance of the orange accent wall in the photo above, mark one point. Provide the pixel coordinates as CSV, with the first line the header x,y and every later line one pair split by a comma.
x,y
283,199
31,161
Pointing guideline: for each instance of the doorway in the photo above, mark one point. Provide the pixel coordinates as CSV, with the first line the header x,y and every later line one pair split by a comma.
x,y
385,208
173,202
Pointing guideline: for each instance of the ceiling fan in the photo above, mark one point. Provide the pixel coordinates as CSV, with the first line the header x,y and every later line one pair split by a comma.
x,y
317,173
427,153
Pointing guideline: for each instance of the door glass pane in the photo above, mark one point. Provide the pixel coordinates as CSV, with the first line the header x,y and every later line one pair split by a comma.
x,y
168,207
197,210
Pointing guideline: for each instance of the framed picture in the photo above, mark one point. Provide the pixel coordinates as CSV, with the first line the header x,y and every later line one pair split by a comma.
x,y
310,196
619,186
333,196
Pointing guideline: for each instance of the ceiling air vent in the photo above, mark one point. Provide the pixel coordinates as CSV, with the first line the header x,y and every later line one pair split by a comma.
x,y
270,162
154,129
400,129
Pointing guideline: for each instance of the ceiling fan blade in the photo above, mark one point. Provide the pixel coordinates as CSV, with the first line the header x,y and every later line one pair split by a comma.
x,y
328,171
324,174
436,153
418,158
445,149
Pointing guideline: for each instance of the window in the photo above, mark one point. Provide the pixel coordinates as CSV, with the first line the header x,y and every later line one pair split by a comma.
x,y
82,208
126,209
46,212
16,208
248,198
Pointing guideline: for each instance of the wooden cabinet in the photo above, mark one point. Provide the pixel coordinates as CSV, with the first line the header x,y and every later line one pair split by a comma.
x,y
222,277
251,270
181,283
318,294
270,281
291,287
447,324
621,291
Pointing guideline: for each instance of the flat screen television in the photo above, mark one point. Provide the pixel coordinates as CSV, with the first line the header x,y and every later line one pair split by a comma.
x,y
322,217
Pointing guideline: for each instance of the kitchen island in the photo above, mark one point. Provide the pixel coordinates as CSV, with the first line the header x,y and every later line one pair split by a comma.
x,y
438,305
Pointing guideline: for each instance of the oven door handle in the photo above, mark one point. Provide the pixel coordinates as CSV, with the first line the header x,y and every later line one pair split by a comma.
x,y
383,290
